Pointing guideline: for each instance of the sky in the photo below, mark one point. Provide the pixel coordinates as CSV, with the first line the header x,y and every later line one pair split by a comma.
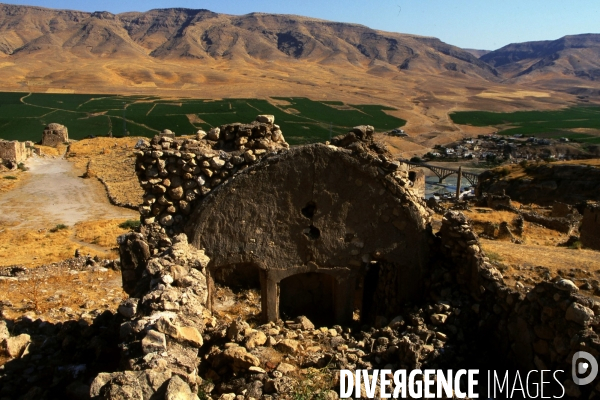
x,y
476,24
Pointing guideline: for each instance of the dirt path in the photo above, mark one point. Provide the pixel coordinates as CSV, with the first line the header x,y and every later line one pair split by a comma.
x,y
55,194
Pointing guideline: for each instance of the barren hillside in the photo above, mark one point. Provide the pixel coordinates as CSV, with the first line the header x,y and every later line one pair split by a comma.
x,y
570,60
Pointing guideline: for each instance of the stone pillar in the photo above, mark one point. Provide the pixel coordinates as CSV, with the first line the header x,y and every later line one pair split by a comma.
x,y
269,288
458,181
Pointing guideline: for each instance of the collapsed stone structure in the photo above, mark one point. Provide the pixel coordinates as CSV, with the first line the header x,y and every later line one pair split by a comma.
x,y
236,206
14,151
302,189
55,134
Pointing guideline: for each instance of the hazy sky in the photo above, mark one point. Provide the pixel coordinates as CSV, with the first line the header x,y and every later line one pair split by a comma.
x,y
479,24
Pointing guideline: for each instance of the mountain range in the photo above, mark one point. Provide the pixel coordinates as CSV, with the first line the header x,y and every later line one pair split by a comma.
x,y
199,53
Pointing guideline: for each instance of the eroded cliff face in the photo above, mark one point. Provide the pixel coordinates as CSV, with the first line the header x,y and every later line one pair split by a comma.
x,y
544,183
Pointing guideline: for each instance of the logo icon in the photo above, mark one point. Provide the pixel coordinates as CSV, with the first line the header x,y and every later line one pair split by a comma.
x,y
583,363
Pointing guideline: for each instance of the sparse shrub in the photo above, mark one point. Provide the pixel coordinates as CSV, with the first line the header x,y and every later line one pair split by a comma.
x,y
504,171
11,177
203,390
312,385
577,245
58,228
494,257
22,167
130,224
523,163
416,159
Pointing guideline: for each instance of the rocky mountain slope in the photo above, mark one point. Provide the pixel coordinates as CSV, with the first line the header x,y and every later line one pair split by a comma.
x,y
576,56
201,34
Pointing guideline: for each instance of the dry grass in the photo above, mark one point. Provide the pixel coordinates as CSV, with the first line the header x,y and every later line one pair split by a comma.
x,y
50,296
532,233
551,257
31,247
102,233
530,264
57,151
35,247
481,215
112,161
231,305
538,257
11,179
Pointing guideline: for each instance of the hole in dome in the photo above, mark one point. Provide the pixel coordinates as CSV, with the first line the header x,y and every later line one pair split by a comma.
x,y
309,210
312,232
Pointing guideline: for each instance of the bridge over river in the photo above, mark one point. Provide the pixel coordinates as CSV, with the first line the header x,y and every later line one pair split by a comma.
x,y
443,172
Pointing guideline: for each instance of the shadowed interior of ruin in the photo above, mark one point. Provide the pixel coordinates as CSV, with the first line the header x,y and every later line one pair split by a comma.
x,y
239,276
311,294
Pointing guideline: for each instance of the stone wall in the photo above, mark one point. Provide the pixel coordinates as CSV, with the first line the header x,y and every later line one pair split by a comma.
x,y
562,210
568,225
537,329
55,134
417,177
465,299
177,173
590,226
14,151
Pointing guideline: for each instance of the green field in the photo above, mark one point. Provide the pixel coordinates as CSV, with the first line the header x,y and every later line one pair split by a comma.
x,y
23,116
549,124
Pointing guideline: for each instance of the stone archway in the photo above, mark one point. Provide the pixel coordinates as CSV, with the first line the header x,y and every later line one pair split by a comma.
x,y
315,209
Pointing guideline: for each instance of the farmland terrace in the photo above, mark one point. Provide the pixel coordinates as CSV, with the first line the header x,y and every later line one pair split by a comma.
x,y
24,115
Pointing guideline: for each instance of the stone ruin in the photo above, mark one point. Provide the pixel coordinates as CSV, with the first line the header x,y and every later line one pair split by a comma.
x,y
55,134
322,230
13,151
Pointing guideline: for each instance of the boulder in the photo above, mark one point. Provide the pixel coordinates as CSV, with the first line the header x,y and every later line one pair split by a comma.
x,y
17,344
305,323
240,359
266,119
177,389
3,331
154,342
287,346
285,368
255,338
579,314
128,307
566,285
